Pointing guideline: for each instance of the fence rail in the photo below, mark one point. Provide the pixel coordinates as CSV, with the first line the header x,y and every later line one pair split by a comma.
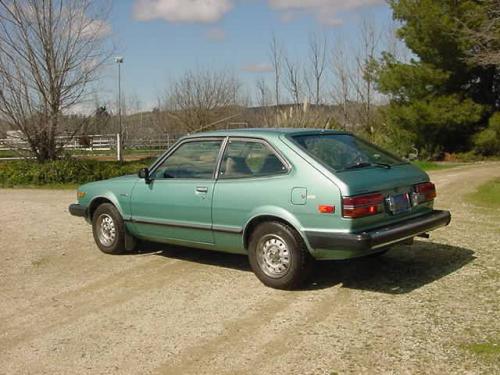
x,y
90,143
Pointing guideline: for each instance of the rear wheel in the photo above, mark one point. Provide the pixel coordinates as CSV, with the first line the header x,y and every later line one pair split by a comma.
x,y
378,254
278,256
108,229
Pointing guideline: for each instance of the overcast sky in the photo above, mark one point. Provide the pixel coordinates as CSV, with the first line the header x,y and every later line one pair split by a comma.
x,y
159,39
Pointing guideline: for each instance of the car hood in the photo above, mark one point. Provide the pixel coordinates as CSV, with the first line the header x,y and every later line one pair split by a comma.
x,y
109,181
122,178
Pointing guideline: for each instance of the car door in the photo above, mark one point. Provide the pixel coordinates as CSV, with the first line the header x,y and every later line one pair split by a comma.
x,y
176,203
251,174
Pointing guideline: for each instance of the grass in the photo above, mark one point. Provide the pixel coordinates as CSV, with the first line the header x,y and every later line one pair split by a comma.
x,y
433,166
487,195
42,187
8,154
485,349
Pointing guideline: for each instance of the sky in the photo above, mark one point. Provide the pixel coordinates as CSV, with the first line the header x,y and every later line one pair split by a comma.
x,y
161,39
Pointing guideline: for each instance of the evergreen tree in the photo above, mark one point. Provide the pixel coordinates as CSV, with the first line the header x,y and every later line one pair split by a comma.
x,y
441,97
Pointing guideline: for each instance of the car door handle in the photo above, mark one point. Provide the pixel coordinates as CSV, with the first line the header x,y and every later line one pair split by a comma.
x,y
201,189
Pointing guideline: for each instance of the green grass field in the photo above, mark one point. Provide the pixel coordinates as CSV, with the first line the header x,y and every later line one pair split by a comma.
x,y
434,166
487,351
486,348
487,195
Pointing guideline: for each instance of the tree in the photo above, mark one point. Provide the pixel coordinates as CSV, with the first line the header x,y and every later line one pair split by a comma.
x,y
439,98
363,81
201,99
484,35
293,81
276,54
49,53
342,88
266,114
487,141
317,57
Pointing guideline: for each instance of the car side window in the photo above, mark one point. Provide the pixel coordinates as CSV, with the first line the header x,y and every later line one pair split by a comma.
x,y
196,159
249,159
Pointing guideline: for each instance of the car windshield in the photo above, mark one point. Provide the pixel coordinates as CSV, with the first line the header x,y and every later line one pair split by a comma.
x,y
345,152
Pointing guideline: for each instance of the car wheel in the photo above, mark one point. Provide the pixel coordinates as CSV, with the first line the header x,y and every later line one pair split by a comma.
x,y
108,229
278,256
378,254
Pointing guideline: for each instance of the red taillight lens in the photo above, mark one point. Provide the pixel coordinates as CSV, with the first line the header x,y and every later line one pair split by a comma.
x,y
425,192
362,205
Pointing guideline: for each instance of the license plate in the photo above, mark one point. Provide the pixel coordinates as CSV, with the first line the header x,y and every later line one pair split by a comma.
x,y
399,203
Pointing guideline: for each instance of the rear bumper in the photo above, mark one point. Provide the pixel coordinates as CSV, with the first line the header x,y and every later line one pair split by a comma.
x,y
77,210
380,237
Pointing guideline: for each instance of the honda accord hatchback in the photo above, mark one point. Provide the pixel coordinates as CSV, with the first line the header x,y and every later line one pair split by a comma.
x,y
284,197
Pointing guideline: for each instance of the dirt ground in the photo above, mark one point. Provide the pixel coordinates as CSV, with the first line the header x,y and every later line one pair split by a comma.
x,y
66,308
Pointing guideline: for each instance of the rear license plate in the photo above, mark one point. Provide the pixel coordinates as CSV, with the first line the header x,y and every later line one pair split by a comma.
x,y
399,203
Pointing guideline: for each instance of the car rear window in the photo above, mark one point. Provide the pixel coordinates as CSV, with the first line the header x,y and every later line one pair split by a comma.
x,y
344,152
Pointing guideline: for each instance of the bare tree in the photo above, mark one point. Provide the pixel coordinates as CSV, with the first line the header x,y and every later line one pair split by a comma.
x,y
160,121
202,99
263,93
293,82
363,82
265,115
276,54
317,51
49,53
342,84
393,44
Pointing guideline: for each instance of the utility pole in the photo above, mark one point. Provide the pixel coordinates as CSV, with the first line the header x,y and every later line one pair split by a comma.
x,y
119,136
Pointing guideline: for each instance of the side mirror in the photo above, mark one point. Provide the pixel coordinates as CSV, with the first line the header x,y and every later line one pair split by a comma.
x,y
144,173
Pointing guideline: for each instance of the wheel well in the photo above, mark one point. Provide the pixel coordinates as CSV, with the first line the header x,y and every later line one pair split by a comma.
x,y
258,220
96,203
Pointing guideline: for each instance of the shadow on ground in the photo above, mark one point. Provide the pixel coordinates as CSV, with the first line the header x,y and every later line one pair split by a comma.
x,y
401,270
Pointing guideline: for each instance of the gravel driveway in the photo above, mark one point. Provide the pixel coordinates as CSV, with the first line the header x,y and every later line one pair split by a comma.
x,y
66,308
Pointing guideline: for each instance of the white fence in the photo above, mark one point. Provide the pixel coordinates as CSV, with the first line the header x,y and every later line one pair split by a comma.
x,y
94,143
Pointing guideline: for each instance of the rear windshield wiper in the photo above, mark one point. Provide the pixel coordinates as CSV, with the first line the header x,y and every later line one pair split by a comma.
x,y
365,164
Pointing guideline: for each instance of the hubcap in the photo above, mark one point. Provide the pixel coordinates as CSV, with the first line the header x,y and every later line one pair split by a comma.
x,y
273,256
106,230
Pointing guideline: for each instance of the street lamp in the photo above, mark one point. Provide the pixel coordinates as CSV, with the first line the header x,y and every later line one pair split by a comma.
x,y
119,140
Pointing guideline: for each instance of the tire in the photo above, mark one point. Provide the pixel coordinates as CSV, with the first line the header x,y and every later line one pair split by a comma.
x,y
108,229
278,256
379,254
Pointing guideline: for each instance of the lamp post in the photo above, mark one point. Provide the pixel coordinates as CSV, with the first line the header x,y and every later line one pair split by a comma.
x,y
119,136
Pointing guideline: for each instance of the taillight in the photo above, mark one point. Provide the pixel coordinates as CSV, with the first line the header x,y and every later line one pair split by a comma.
x,y
424,192
362,205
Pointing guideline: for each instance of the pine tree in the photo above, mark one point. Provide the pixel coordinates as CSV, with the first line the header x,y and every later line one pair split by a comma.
x,y
441,97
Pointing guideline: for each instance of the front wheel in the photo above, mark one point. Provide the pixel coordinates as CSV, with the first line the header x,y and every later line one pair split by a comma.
x,y
108,229
278,256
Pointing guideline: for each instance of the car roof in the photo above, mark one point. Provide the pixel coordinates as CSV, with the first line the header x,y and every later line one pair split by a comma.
x,y
265,132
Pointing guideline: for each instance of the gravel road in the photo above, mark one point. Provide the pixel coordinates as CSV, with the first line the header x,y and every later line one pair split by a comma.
x,y
67,308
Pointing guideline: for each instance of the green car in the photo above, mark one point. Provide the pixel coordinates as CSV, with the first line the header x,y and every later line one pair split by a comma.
x,y
284,197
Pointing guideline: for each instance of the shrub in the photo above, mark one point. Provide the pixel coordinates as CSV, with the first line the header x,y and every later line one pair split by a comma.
x,y
65,171
487,141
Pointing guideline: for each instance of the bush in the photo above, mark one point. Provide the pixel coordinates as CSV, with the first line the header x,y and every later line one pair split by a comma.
x,y
487,141
65,171
468,157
